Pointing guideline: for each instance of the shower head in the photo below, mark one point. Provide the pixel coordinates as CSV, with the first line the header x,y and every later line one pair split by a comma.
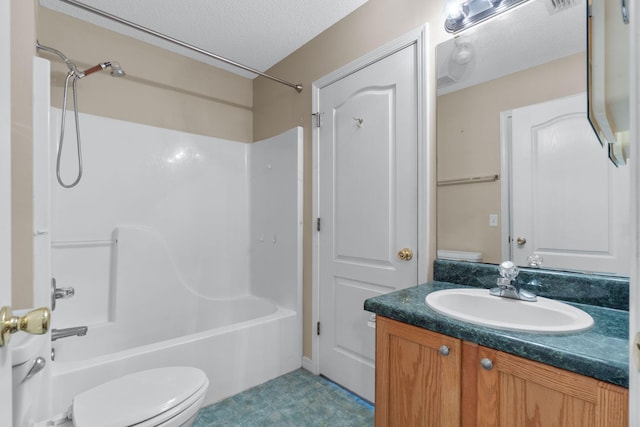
x,y
116,69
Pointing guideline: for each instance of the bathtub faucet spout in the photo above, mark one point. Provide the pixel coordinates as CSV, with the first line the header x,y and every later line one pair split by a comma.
x,y
68,332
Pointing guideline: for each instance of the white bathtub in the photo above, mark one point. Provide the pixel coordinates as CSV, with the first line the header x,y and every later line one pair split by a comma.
x,y
153,319
235,356
202,317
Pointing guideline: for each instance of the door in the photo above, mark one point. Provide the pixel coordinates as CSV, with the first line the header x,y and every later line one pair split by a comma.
x,y
368,208
569,203
5,204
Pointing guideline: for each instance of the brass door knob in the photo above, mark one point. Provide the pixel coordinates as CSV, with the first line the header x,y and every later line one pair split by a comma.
x,y
35,322
521,241
405,254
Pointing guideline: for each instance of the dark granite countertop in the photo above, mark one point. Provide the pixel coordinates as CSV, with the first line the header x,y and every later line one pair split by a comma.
x,y
601,352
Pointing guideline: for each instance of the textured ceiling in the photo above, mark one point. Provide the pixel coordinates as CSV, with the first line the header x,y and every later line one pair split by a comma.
x,y
256,33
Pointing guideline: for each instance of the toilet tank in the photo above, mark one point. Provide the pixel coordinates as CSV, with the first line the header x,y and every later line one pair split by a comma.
x,y
459,255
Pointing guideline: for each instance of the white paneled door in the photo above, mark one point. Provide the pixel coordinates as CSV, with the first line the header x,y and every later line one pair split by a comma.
x,y
368,208
570,204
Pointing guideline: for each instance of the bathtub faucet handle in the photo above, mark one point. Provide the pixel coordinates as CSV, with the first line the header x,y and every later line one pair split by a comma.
x,y
57,293
64,293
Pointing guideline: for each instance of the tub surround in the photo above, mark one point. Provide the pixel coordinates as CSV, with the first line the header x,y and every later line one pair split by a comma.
x,y
121,240
601,352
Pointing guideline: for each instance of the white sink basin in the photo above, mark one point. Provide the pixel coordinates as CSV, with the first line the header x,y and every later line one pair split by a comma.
x,y
478,307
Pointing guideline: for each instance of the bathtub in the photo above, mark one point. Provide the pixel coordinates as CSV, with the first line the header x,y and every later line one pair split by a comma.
x,y
154,319
237,355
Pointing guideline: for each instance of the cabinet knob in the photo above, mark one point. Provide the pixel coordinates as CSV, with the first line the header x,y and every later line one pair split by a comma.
x,y
486,363
444,350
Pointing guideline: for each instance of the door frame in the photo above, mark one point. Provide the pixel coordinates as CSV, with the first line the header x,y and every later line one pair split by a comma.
x,y
634,291
5,201
505,183
426,163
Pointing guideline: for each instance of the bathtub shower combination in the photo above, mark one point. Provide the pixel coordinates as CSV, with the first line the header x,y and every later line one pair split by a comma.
x,y
181,249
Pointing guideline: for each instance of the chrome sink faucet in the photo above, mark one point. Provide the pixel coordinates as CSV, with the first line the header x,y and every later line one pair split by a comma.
x,y
508,286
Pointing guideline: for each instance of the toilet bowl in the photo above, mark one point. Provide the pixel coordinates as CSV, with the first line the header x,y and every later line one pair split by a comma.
x,y
163,397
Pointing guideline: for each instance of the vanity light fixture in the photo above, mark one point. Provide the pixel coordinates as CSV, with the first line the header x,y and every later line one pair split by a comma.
x,y
462,14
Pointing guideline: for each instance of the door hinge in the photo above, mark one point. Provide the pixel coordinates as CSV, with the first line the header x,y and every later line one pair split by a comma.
x,y
318,328
317,224
317,116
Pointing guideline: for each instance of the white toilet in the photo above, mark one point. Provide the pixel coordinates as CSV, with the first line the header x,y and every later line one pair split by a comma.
x,y
163,397
459,255
166,397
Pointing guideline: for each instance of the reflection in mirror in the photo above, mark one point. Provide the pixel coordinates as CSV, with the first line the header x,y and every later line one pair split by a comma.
x,y
529,56
467,13
608,75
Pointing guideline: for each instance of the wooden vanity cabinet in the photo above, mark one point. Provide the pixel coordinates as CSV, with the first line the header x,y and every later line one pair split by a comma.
x,y
516,392
420,383
417,376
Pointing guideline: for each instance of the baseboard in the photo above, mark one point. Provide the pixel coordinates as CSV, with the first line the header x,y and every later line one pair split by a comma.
x,y
307,364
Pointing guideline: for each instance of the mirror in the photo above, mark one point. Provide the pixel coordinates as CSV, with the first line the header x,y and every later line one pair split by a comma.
x,y
608,75
530,55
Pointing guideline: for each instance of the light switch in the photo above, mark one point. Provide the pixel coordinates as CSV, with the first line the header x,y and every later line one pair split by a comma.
x,y
493,220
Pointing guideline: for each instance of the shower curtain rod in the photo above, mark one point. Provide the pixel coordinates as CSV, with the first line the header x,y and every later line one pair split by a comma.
x,y
297,87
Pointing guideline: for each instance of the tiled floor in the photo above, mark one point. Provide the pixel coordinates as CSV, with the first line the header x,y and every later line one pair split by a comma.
x,y
297,399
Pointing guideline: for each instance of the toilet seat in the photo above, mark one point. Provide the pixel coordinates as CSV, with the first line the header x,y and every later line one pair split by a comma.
x,y
144,399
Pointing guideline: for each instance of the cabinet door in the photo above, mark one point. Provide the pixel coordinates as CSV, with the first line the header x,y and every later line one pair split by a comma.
x,y
417,376
516,392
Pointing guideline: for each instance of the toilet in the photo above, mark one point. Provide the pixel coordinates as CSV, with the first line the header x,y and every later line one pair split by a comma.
x,y
162,397
453,255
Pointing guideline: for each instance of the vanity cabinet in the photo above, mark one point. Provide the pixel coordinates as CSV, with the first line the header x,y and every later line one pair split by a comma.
x,y
417,376
512,392
427,379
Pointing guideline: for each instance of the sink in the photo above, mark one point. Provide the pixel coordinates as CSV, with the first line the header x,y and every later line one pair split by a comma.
x,y
478,307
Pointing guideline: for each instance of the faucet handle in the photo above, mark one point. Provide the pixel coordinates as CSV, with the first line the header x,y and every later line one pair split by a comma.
x,y
57,293
535,261
64,293
508,270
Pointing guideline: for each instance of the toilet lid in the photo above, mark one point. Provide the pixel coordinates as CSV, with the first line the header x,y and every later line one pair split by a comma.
x,y
137,397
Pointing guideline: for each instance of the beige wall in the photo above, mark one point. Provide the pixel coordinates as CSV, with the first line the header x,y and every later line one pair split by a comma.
x,y
469,145
277,108
161,88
